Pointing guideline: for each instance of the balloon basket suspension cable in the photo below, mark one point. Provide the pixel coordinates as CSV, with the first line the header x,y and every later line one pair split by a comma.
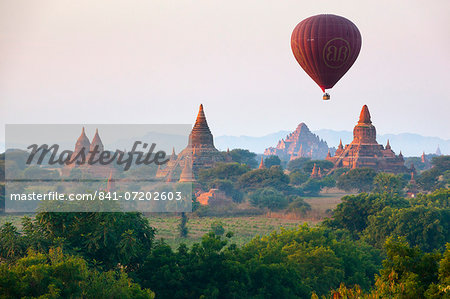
x,y
326,96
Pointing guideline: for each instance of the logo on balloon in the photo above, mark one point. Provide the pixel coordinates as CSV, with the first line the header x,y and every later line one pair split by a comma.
x,y
336,52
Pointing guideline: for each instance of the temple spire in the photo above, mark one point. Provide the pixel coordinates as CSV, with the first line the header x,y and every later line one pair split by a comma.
x,y
173,156
201,118
314,173
364,116
187,174
82,144
340,144
261,164
388,146
201,135
96,141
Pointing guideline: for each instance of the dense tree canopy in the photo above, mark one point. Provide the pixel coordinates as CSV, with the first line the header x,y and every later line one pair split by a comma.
x,y
272,161
360,179
289,264
223,171
107,238
260,178
269,198
436,177
388,182
57,275
244,156
353,212
297,164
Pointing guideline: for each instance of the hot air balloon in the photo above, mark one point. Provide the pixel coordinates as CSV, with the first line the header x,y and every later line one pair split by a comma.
x,y
326,46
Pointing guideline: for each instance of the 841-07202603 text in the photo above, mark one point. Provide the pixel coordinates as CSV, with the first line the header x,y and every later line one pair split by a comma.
x,y
99,195
140,195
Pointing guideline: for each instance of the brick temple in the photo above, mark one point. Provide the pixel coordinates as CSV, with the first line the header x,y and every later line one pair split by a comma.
x,y
364,150
199,154
83,144
299,143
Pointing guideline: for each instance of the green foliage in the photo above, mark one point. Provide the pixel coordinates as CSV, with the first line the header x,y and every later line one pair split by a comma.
x,y
440,288
314,258
207,270
437,176
389,183
298,177
353,212
12,246
429,179
263,178
311,187
217,228
243,156
441,163
223,171
439,199
38,173
272,161
360,179
268,198
57,275
376,217
425,227
297,164
18,157
298,205
289,264
229,188
99,236
407,272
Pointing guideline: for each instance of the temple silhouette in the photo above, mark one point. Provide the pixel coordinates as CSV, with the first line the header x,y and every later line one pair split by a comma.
x,y
364,150
84,145
199,154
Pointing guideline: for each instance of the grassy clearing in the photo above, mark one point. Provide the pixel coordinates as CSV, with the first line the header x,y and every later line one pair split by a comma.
x,y
244,228
247,227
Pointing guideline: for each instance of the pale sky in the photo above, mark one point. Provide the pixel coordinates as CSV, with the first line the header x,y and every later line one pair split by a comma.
x,y
155,61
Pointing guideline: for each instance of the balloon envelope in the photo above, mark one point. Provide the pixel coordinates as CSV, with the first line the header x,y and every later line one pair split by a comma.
x,y
326,46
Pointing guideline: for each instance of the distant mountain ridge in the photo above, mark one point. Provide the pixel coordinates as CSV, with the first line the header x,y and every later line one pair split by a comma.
x,y
409,143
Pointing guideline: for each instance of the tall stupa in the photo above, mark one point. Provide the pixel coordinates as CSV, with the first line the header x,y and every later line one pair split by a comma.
x,y
200,152
364,150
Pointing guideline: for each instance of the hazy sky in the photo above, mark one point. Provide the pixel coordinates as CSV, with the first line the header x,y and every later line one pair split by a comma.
x,y
156,61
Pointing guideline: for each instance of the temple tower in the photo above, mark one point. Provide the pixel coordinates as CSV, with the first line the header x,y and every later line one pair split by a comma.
x,y
201,136
261,164
364,131
364,150
199,154
82,145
